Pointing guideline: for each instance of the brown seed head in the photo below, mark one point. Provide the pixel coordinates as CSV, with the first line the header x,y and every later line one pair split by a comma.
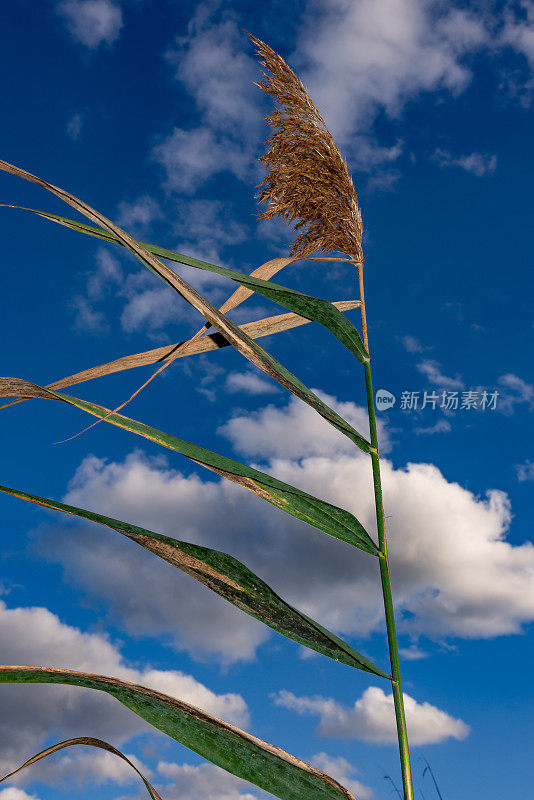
x,y
307,180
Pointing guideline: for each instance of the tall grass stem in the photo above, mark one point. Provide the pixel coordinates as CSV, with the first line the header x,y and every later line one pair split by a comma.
x,y
400,716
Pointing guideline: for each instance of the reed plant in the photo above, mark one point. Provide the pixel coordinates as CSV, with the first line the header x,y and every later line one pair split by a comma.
x,y
308,183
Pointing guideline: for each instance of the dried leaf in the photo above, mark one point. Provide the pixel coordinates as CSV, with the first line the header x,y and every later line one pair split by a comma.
x,y
85,740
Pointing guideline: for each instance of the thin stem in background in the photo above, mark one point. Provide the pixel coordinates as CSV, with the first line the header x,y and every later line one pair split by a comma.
x,y
428,768
384,565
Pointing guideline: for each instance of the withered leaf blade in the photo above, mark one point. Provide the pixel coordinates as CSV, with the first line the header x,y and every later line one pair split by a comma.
x,y
213,341
91,742
229,578
321,515
225,745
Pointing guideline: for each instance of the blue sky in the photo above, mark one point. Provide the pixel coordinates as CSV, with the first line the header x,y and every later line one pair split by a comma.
x,y
147,110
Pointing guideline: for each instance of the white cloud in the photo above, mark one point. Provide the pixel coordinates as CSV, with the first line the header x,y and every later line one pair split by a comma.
x,y
519,392
204,228
432,370
413,345
91,22
441,426
372,718
453,571
518,30
412,653
138,215
108,274
36,636
205,782
341,769
478,164
249,382
74,127
388,53
525,472
151,306
86,318
106,277
293,430
13,793
211,63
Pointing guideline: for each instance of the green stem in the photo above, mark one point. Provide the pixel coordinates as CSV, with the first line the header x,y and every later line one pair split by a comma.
x,y
388,600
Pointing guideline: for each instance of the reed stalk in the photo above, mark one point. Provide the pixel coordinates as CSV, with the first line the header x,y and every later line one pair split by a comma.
x,y
400,716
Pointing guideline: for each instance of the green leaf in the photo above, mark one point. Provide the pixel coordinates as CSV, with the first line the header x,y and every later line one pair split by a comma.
x,y
328,518
228,577
313,308
243,343
91,742
231,748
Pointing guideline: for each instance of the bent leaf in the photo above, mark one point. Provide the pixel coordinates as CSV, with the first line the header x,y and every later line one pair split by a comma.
x,y
243,343
213,341
225,745
312,307
324,516
229,578
85,740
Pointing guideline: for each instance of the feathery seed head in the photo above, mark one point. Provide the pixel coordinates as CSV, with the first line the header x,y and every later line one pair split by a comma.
x,y
307,180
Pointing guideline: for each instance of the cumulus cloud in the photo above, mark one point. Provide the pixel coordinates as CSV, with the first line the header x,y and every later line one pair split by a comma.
x,y
13,793
203,229
372,718
205,782
293,430
74,127
433,371
212,64
106,277
88,319
138,215
341,769
525,471
413,345
518,30
388,53
478,164
441,426
36,636
91,22
517,392
249,382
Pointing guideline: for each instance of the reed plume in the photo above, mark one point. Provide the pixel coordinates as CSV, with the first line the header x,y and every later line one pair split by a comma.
x,y
308,179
